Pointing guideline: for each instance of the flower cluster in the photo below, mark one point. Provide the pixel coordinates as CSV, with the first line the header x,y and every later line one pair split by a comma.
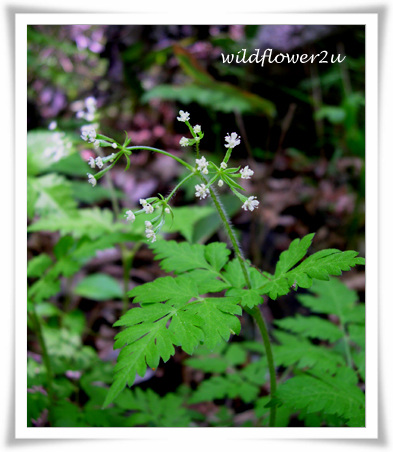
x,y
88,133
232,140
90,110
149,231
251,204
201,191
130,216
184,116
148,208
202,164
246,172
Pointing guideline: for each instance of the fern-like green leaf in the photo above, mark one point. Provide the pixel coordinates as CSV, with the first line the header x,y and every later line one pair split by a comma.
x,y
313,327
330,394
172,313
317,266
295,350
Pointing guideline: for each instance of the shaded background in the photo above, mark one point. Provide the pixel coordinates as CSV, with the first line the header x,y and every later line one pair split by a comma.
x,y
302,129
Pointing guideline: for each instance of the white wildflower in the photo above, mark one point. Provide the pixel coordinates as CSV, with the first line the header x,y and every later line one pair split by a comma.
x,y
223,165
88,133
232,140
148,208
89,117
197,128
99,162
184,116
167,210
96,144
246,172
220,183
91,104
114,145
251,203
52,125
183,141
202,165
201,191
130,216
80,114
91,162
151,235
148,225
91,179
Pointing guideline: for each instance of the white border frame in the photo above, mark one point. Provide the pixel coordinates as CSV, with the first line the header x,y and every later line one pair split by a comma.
x,y
208,434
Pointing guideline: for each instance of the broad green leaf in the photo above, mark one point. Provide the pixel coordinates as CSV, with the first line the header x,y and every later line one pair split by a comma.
x,y
37,265
99,287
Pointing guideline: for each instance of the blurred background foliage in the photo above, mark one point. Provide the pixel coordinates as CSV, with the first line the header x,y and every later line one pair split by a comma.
x,y
303,134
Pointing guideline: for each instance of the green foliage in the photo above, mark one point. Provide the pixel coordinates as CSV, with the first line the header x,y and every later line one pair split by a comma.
x,y
325,383
175,311
232,380
167,318
99,287
331,394
149,409
317,266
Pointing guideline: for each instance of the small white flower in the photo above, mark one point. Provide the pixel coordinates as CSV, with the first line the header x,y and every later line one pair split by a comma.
x,y
201,191
52,125
223,165
130,216
91,179
150,235
96,144
184,116
89,117
167,210
99,162
232,140
148,208
112,157
88,133
80,114
148,225
114,145
220,183
246,172
197,128
202,165
183,141
143,202
251,204
91,162
91,104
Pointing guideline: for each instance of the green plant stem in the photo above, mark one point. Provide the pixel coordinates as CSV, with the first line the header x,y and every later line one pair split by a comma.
x,y
45,356
179,185
148,148
254,312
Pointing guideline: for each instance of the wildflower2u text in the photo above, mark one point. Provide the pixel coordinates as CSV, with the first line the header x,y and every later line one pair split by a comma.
x,y
241,57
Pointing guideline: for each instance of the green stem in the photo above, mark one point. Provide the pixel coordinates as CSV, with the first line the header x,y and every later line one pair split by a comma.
x,y
179,185
45,356
148,148
255,312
